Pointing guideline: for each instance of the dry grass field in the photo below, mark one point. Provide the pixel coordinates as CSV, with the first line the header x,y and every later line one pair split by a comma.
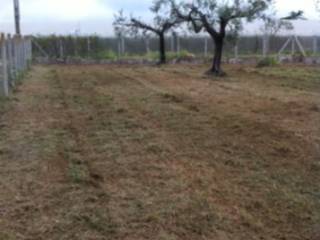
x,y
161,153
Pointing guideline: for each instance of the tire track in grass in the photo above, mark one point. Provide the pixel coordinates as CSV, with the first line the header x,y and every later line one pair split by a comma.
x,y
79,166
88,216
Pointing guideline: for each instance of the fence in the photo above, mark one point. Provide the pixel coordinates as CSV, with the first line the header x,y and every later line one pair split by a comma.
x,y
101,47
15,59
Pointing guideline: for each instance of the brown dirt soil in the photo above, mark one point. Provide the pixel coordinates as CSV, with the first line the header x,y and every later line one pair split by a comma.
x,y
164,153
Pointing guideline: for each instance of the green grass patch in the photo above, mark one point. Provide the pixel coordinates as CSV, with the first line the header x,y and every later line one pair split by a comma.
x,y
301,78
267,62
78,172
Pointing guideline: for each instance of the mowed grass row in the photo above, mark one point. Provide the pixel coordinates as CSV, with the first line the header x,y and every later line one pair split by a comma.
x,y
165,153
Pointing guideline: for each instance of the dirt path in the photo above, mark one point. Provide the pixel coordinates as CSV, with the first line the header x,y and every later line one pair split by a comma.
x,y
119,153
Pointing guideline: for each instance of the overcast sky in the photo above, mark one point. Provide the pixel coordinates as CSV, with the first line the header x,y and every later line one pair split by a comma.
x,y
96,16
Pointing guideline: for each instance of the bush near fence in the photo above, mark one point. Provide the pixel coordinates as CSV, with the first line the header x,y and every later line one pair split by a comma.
x,y
15,59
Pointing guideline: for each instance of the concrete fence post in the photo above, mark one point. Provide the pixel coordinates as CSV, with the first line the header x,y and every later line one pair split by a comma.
x,y
205,47
61,55
11,75
315,45
119,47
25,44
30,50
13,63
265,47
172,42
4,83
23,54
28,55
88,46
15,58
293,48
18,55
123,46
147,44
236,52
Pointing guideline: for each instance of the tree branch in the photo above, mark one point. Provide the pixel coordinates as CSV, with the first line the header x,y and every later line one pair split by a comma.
x,y
139,24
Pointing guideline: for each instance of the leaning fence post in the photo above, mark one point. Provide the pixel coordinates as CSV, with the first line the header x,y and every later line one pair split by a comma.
x,y
4,87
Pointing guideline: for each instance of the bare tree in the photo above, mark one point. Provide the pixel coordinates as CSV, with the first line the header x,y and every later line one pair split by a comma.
x,y
163,21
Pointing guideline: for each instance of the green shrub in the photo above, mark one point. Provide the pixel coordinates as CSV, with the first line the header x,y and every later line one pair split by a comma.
x,y
267,62
184,54
108,54
153,55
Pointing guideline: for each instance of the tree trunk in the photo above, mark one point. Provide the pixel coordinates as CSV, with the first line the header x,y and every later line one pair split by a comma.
x,y
162,49
216,65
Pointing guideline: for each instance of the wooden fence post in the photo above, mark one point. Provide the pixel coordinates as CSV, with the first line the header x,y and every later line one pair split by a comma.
x,y
4,86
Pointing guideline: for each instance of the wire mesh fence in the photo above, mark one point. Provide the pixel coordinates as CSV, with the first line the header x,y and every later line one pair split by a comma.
x,y
101,47
15,59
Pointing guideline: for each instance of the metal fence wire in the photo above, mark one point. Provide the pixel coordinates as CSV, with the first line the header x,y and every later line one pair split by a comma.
x,y
95,46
